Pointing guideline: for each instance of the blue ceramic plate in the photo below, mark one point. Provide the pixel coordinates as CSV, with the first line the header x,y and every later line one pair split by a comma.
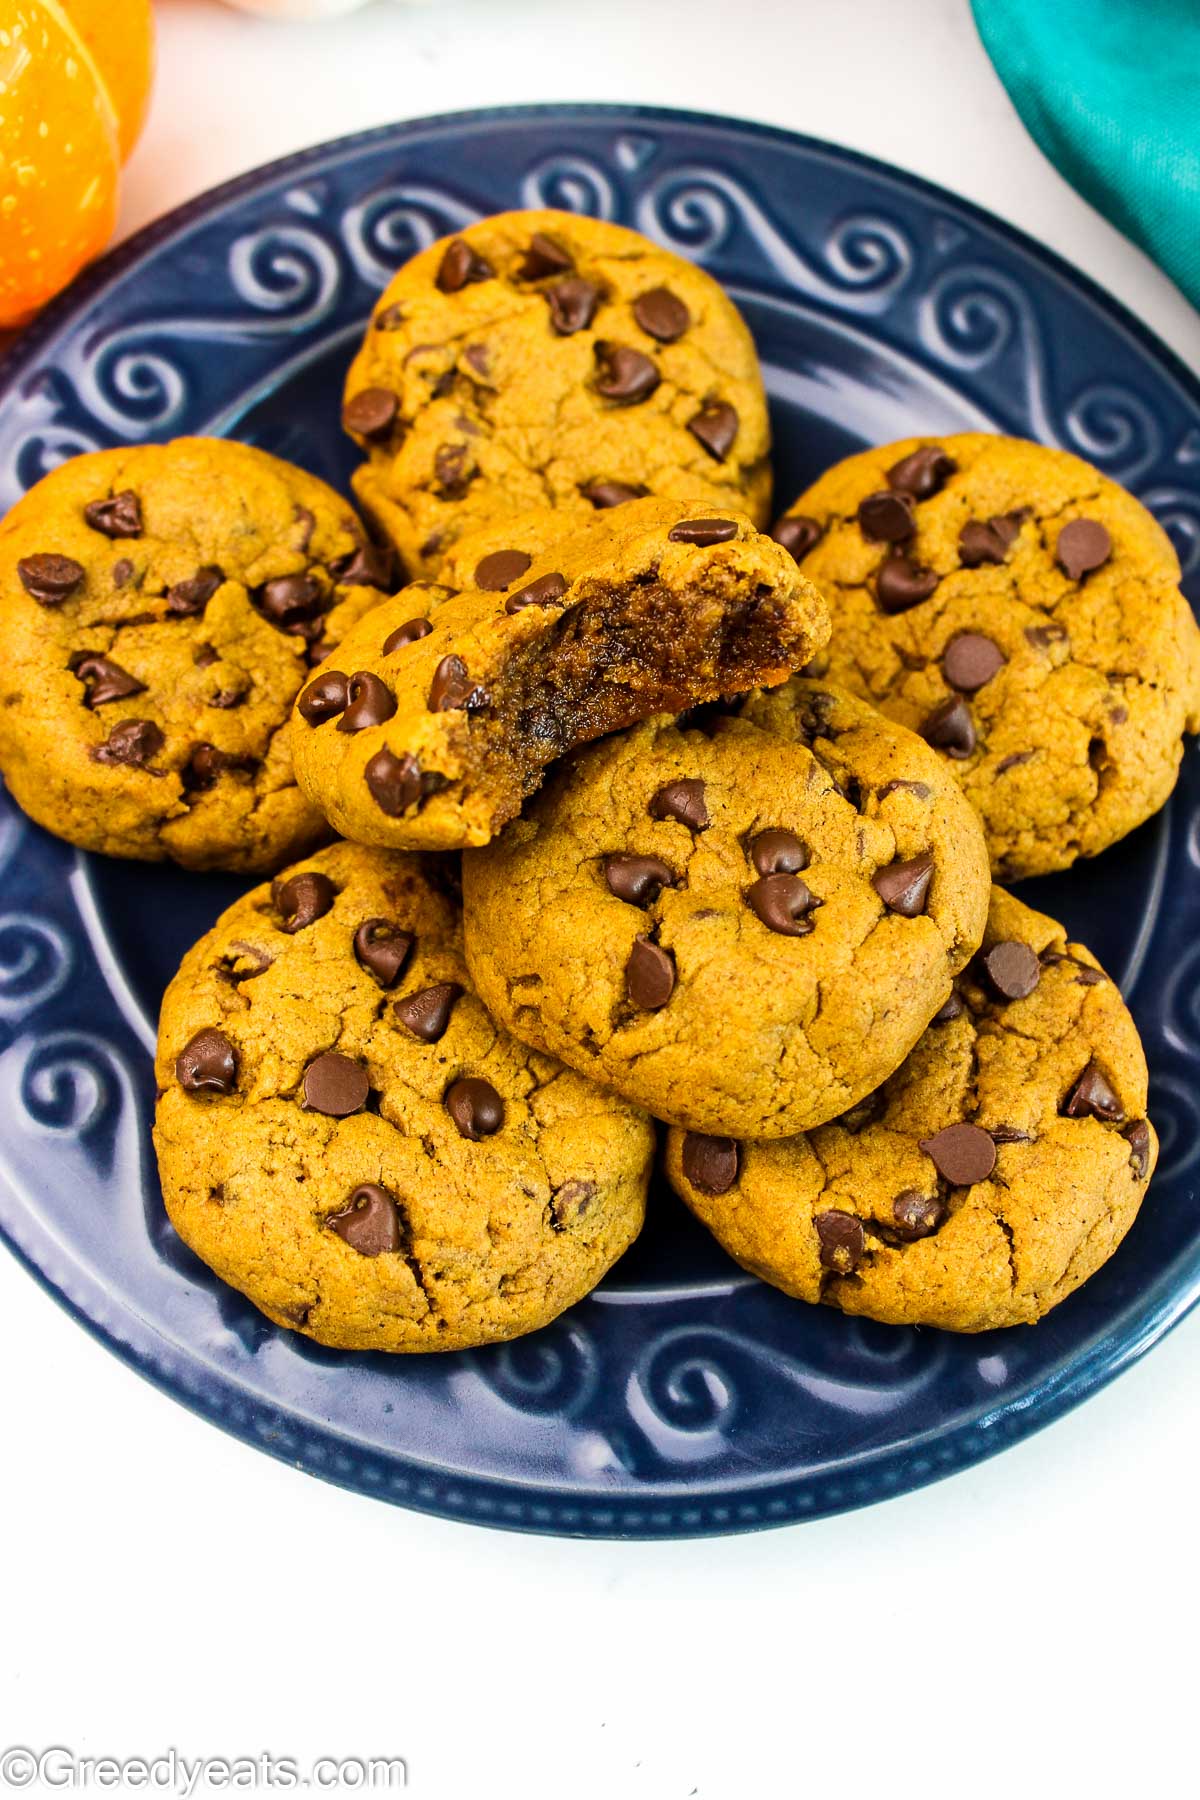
x,y
683,1397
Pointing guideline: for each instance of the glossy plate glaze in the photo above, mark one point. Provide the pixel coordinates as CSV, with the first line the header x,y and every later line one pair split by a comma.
x,y
683,1397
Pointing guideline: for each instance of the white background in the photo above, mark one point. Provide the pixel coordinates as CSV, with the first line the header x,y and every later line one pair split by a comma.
x,y
1022,1628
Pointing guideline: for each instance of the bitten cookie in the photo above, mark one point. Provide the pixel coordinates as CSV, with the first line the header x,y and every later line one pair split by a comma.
x,y
440,714
1024,614
734,930
344,1135
542,358
984,1182
160,607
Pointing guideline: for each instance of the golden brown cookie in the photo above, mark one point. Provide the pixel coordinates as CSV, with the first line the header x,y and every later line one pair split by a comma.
x,y
160,606
735,930
345,1136
546,359
995,1171
1024,614
440,714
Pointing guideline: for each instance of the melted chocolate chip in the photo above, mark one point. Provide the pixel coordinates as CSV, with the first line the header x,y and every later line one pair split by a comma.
x,y
427,1012
104,679
335,1085
544,591
475,1107
118,517
1092,1097
962,1154
886,517
207,1064
604,494
702,531
1137,1136
369,1222
371,413
573,305
49,579
662,314
682,800
970,660
460,266
778,853
290,600
382,948
497,571
543,257
710,1163
394,782
904,886
649,975
916,1215
188,599
1083,545
408,633
372,565
988,540
901,584
922,473
303,899
452,689
715,427
783,903
134,742
1012,970
950,727
637,879
369,701
206,762
797,532
841,1239
323,698
623,374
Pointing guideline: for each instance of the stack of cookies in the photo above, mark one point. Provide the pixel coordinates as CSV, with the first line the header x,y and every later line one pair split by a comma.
x,y
623,810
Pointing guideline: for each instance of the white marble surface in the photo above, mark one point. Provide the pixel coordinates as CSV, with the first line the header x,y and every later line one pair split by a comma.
x,y
1017,1629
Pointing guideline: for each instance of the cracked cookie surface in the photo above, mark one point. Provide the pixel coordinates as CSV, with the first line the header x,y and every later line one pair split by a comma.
x,y
440,712
547,359
994,1172
159,605
1024,613
741,931
345,1136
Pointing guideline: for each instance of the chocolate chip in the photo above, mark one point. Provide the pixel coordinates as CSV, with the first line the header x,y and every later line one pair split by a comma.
x,y
637,879
427,1013
453,470
394,782
1012,970
841,1239
573,305
543,257
916,1215
335,1085
778,853
950,727
569,1203
901,584
207,1064
1088,977
390,318
962,1154
452,689
1083,545
649,975
710,1163
544,591
662,314
122,572
1042,636
1137,1136
682,800
702,531
920,790
715,427
134,742
886,517
323,698
498,570
783,903
408,633
371,413
604,494
460,265
970,660
922,473
303,899
382,949
372,565
904,886
475,1107
104,679
49,579
290,600
624,374
369,1222
206,762
1013,761
988,540
188,599
952,1008
118,517
797,533
1092,1097
369,701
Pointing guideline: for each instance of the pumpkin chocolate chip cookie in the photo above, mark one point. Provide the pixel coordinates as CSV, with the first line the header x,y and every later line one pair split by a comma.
x,y
1024,614
994,1172
735,929
546,359
345,1136
160,609
444,710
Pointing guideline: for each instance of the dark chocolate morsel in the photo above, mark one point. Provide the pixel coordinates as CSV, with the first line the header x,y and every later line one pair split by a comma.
x,y
394,782
118,517
460,265
475,1107
637,879
452,689
1083,545
427,1012
797,533
702,531
624,374
188,599
988,540
104,679
778,853
951,1008
290,600
715,427
970,660
369,701
207,1064
303,899
1012,970
661,314
134,742
497,571
382,948
544,257
900,584
916,1215
886,517
841,1239
336,1085
371,565
783,903
1092,1097
545,590
682,800
904,886
573,304
604,494
922,473
710,1163
371,413
951,728
1137,1136
649,975
369,1222
408,633
962,1154
323,698
49,579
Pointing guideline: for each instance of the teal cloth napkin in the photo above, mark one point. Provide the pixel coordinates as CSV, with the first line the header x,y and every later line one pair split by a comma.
x,y
1110,89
